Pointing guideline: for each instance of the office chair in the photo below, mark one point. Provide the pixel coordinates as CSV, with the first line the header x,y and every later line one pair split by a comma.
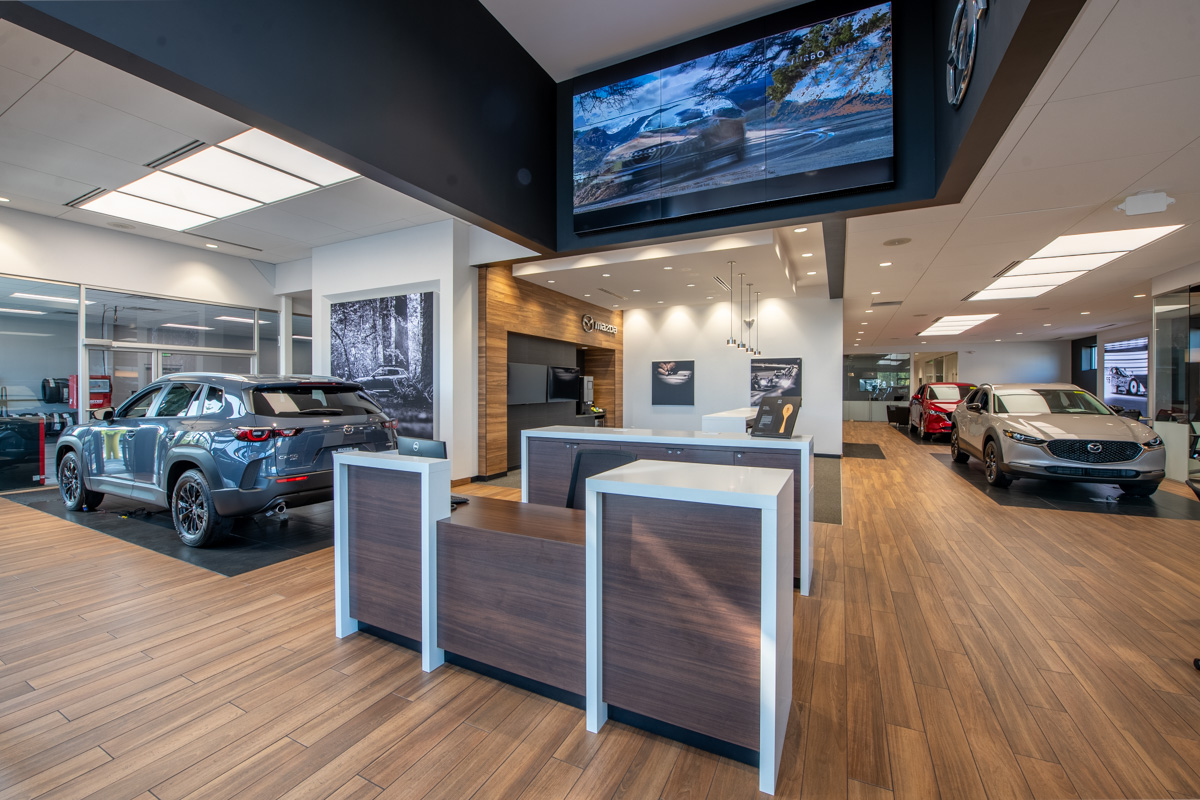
x,y
589,463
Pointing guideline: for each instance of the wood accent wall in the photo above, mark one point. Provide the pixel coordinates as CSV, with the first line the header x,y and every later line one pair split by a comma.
x,y
509,304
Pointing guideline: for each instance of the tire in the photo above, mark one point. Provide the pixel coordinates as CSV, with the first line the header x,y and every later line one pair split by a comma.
x,y
912,426
48,389
1139,489
925,435
991,466
75,496
1134,388
196,519
959,455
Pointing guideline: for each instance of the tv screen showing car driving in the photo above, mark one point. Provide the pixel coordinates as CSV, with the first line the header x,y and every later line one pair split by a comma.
x,y
802,112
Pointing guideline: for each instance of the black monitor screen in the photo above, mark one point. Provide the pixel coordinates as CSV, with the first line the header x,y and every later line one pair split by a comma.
x,y
562,385
426,448
802,112
526,383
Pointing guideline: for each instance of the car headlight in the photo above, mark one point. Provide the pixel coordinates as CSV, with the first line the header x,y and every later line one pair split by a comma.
x,y
1153,444
1024,438
941,414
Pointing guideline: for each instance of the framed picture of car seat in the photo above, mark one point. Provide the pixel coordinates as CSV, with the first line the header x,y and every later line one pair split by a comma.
x,y
673,383
1126,373
386,345
774,377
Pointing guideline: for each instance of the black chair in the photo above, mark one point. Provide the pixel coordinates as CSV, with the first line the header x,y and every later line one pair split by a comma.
x,y
589,463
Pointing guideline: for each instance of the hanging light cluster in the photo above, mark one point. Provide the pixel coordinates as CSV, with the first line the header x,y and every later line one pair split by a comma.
x,y
748,317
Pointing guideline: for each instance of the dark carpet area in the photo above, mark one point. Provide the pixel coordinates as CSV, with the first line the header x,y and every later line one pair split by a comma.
x,y
254,542
859,450
827,490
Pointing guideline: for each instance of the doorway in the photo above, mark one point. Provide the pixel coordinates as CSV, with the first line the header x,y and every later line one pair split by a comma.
x,y
127,370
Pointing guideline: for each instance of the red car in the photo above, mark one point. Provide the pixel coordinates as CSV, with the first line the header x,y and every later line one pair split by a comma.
x,y
930,409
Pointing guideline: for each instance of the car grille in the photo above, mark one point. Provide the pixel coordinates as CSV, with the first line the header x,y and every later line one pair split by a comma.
x,y
1092,472
1077,450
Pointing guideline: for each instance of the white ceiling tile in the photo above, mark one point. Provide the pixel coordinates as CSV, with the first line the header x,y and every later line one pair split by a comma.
x,y
275,220
432,215
39,185
1181,172
59,114
12,85
108,85
19,202
1033,229
1072,46
56,157
1134,47
386,227
28,53
1062,187
356,205
1099,127
231,231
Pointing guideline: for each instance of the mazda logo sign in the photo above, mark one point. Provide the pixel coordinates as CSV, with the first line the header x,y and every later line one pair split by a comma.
x,y
416,447
590,324
347,429
1095,447
964,39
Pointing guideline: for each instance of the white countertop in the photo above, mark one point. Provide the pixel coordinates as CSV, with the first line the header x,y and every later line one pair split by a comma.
x,y
798,441
390,460
734,413
717,484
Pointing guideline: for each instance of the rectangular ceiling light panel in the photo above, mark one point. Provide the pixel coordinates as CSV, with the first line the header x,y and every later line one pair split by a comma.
x,y
955,324
288,157
1104,242
234,173
1010,294
1039,266
21,311
183,193
1052,279
189,327
126,206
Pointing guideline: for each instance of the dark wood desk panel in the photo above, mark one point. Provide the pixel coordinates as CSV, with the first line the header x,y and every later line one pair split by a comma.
x,y
681,603
551,460
511,589
783,459
385,549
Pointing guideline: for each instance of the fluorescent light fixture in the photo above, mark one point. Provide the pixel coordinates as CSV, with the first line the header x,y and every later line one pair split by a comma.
x,y
799,230
1049,279
126,206
288,157
189,327
955,324
806,255
300,336
182,193
243,319
210,244
1039,266
1104,242
885,263
810,273
893,363
234,173
21,311
1011,294
23,333
4,200
72,300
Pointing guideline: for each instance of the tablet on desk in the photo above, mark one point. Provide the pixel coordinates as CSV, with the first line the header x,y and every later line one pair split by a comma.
x,y
776,417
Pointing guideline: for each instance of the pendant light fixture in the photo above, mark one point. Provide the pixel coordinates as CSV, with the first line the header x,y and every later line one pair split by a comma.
x,y
749,319
741,324
731,342
758,323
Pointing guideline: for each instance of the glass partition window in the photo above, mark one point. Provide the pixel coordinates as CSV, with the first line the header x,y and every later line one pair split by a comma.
x,y
39,351
302,363
268,342
876,376
1174,330
130,319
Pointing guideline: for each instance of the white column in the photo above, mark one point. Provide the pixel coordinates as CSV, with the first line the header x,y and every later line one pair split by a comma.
x,y
285,335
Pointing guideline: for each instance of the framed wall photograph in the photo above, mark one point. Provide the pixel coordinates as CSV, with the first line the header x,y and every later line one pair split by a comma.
x,y
1127,373
673,383
386,345
774,377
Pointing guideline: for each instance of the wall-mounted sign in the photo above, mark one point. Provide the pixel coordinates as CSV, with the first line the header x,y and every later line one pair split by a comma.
x,y
590,325
964,38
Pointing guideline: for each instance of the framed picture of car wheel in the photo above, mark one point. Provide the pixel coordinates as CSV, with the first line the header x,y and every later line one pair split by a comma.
x,y
774,377
1126,373
673,383
386,345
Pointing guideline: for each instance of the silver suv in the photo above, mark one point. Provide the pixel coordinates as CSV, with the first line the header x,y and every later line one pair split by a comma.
x,y
212,447
1055,431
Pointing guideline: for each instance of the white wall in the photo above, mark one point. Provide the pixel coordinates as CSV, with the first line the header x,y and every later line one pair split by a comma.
x,y
427,258
35,246
1177,279
800,328
1013,362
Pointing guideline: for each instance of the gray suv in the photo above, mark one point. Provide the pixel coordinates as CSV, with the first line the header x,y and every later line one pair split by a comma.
x,y
212,447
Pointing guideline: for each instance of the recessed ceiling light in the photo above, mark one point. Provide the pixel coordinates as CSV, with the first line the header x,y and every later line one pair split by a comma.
x,y
288,157
998,340
1104,242
637,290
864,323
213,246
1139,295
874,292
810,273
240,175
885,263
51,298
1036,266
691,286
660,302
860,331
870,311
709,297
126,206
897,242
189,327
924,342
1010,294
615,305
1085,313
1020,333
21,311
955,324
587,295
858,340
806,255
183,193
4,200
799,230
668,268
605,275
1046,324
856,344
1024,281
549,281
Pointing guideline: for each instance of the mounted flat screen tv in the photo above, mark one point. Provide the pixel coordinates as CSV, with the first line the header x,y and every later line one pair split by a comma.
x,y
802,112
526,384
562,384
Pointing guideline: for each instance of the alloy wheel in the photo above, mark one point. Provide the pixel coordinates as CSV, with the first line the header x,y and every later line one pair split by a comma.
x,y
191,509
68,481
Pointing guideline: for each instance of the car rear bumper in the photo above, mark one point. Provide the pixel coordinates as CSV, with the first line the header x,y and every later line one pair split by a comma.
x,y
317,487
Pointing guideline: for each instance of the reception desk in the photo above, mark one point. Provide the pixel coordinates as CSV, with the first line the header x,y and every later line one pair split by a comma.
x,y
669,599
547,455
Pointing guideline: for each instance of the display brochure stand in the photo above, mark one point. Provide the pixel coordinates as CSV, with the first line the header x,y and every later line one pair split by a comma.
x,y
776,417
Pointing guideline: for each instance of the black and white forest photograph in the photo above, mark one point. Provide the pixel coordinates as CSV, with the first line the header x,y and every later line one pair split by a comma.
x,y
386,344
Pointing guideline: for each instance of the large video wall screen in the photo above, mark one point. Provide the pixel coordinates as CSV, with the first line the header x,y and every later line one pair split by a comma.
x,y
803,112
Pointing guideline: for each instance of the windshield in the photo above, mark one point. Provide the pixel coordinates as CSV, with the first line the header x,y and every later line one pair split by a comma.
x,y
949,393
1049,401
308,401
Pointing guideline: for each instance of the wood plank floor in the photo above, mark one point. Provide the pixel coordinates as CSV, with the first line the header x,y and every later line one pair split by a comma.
x,y
952,647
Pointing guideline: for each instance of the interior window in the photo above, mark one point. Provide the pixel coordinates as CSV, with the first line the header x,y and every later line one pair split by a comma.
x,y
139,405
176,400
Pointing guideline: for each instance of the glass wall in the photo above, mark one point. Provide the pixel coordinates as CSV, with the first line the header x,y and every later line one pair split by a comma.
x,y
268,343
876,376
138,319
302,345
1175,356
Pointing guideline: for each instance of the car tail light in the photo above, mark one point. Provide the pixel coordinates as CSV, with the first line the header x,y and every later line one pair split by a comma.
x,y
292,480
391,424
263,434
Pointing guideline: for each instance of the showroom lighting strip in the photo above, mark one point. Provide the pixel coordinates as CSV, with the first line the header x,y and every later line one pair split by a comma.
x,y
242,319
52,299
189,327
1065,259
245,172
955,324
21,311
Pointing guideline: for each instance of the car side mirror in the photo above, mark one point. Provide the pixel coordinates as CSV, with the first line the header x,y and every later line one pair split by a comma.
x,y
974,407
102,414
